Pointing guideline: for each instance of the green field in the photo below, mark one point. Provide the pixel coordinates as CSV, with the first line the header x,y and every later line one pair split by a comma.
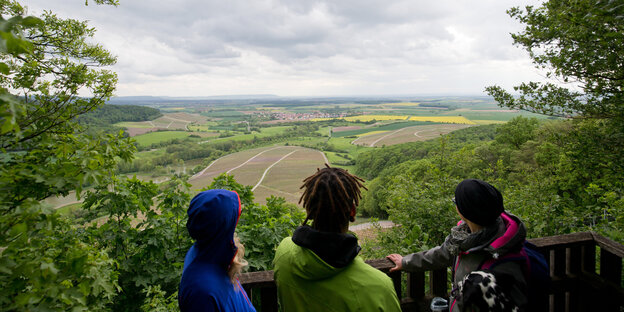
x,y
131,124
387,127
408,134
273,170
338,148
160,136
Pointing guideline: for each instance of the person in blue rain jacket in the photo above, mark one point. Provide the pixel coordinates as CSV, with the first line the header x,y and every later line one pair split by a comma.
x,y
209,280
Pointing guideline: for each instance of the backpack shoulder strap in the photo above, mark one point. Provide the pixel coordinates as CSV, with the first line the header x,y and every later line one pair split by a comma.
x,y
520,257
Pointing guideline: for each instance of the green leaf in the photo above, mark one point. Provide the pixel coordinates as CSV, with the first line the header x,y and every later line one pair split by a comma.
x,y
4,68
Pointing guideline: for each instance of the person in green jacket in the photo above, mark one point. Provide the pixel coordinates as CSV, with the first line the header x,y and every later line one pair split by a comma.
x,y
319,269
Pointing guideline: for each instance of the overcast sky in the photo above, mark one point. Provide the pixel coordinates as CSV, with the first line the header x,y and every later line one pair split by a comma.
x,y
306,47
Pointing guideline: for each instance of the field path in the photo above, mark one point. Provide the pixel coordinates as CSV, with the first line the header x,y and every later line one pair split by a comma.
x,y
385,136
176,119
204,170
325,157
269,168
368,225
252,158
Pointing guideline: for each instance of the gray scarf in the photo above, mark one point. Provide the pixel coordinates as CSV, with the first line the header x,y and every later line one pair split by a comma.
x,y
461,239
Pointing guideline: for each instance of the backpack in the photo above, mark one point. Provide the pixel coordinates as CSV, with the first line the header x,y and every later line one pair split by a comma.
x,y
536,272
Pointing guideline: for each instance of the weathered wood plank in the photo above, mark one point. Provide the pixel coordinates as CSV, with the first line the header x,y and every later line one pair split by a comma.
x,y
609,245
257,279
563,240
381,264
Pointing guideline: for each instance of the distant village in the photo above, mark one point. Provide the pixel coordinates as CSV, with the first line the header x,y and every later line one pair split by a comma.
x,y
297,116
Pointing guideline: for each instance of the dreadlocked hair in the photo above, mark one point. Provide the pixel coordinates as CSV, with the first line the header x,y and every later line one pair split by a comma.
x,y
329,196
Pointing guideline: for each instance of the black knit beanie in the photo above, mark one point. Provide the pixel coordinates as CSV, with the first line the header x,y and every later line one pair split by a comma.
x,y
478,201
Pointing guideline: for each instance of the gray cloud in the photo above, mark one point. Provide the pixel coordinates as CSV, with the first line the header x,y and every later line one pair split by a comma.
x,y
298,47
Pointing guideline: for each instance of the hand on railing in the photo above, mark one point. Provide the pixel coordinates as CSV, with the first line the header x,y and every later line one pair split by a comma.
x,y
398,262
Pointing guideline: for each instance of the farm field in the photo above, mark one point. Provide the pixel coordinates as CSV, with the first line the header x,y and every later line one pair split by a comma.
x,y
377,128
169,121
443,119
159,136
372,124
408,134
366,118
273,170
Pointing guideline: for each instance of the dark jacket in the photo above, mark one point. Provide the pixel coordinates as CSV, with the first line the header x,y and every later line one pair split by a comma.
x,y
205,285
506,235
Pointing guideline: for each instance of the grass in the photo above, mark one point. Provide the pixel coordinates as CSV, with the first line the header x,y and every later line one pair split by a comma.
x,y
68,209
443,119
386,127
224,113
132,124
265,132
409,134
160,136
408,104
283,179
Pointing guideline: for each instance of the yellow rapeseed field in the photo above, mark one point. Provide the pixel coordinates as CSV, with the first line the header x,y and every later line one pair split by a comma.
x,y
444,119
365,118
440,119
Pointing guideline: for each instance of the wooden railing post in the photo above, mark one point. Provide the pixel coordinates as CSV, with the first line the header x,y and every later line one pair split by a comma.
x,y
396,281
268,299
558,271
611,271
439,283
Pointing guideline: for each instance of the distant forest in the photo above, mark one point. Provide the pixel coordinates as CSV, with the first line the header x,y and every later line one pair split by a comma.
x,y
102,119
109,114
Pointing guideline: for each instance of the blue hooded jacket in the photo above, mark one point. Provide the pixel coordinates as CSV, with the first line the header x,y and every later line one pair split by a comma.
x,y
205,285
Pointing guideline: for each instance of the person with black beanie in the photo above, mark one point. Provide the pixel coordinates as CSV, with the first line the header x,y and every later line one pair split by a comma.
x,y
486,231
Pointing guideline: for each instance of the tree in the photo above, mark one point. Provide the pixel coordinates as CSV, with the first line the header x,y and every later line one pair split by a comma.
x,y
44,64
580,43
46,154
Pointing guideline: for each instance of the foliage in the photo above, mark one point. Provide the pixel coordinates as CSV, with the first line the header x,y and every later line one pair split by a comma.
x,y
44,266
147,242
542,169
579,43
261,227
157,300
106,115
371,163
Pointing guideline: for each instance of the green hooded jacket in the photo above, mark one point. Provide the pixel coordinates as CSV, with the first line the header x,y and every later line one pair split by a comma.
x,y
305,282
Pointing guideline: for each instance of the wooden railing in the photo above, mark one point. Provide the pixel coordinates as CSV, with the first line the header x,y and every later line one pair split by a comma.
x,y
586,271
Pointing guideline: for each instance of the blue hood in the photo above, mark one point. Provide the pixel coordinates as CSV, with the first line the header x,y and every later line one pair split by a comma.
x,y
205,284
212,219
